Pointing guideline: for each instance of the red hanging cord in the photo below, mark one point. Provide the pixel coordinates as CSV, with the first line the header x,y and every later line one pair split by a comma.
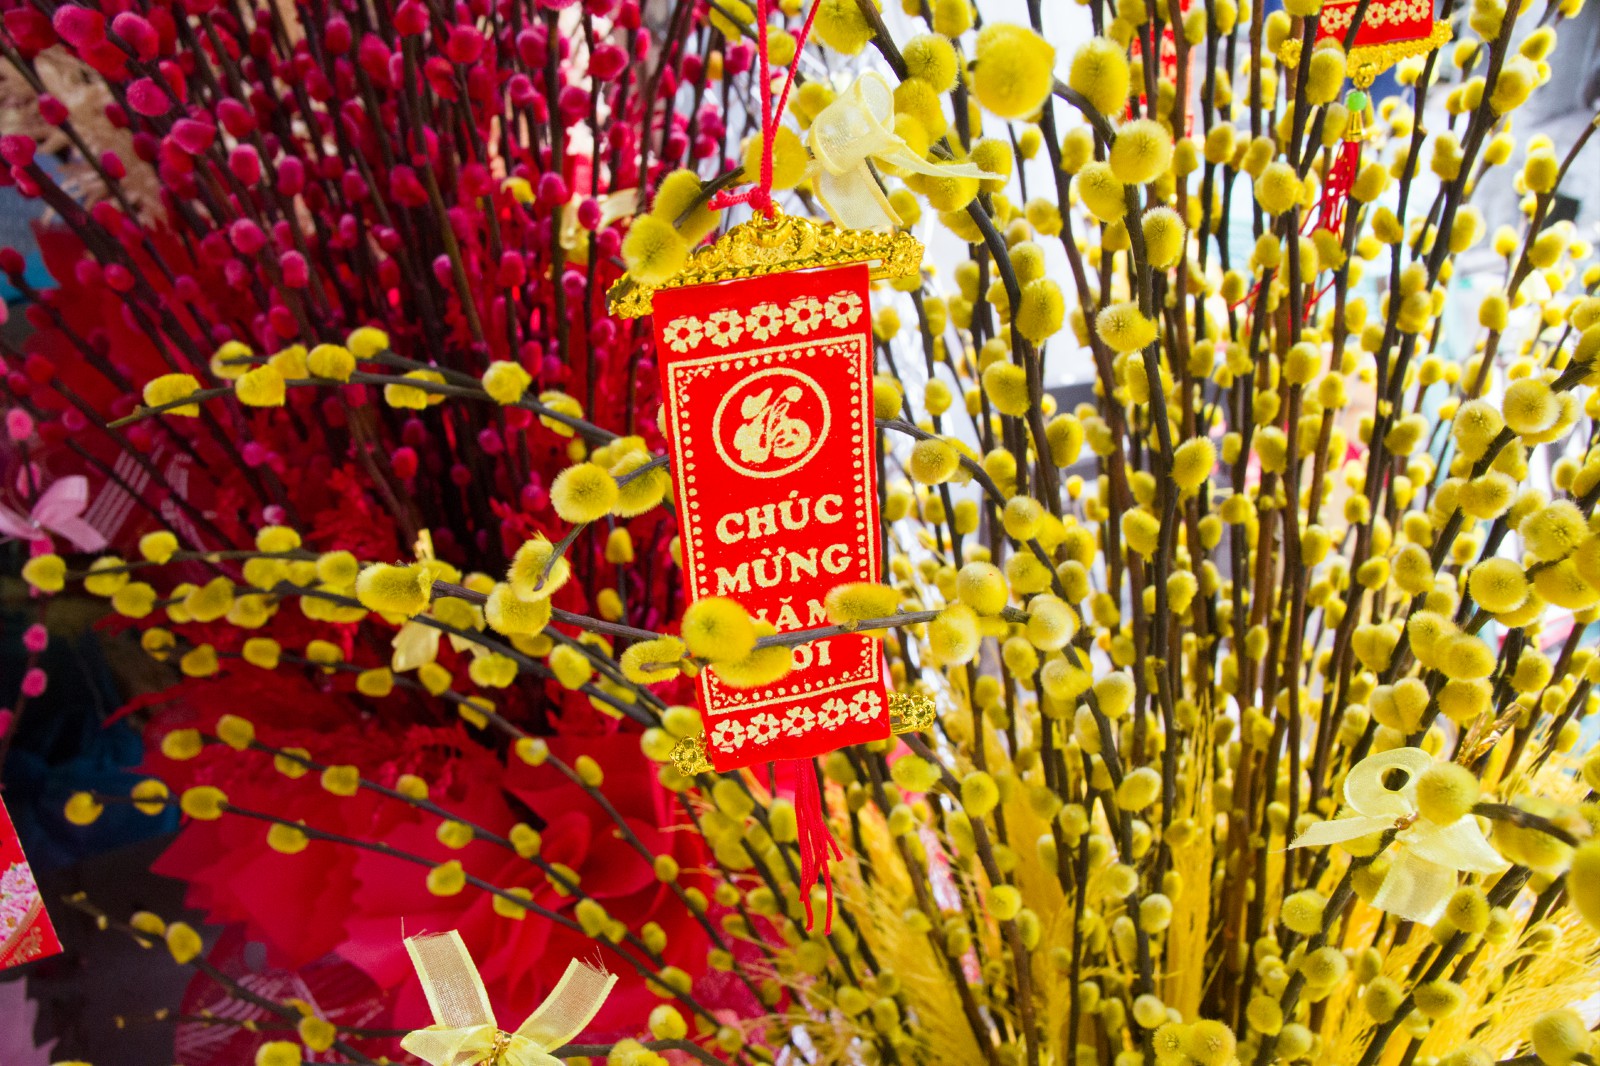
x,y
814,839
1336,192
759,197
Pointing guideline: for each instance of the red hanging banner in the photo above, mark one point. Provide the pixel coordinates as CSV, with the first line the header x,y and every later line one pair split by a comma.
x,y
1389,31
768,390
25,930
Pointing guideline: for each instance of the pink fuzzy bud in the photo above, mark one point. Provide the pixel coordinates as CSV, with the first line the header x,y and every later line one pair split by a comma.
x,y
137,31
79,26
17,149
112,162
573,102
405,188
410,18
490,442
404,462
589,214
464,44
520,89
737,58
291,177
33,683
36,638
282,322
214,249
236,118
245,164
119,278
553,190
336,36
296,274
246,236
19,424
52,110
192,136
512,271
530,46
628,15
176,77
476,180
146,97
441,270
39,369
373,57
31,29
607,62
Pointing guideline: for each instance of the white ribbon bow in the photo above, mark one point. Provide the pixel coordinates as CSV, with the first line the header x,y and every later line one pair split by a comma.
x,y
1422,875
857,126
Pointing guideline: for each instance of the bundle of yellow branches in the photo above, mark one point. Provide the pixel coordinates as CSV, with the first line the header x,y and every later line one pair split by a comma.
x,y
1293,577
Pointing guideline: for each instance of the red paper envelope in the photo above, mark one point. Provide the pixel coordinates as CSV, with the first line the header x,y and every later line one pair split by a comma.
x,y
768,388
25,930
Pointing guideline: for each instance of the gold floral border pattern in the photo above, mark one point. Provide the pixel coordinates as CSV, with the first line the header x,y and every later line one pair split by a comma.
x,y
909,712
773,246
764,321
26,942
1365,62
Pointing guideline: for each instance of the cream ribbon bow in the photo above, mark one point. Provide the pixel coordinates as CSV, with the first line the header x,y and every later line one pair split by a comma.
x,y
1381,790
857,126
464,1032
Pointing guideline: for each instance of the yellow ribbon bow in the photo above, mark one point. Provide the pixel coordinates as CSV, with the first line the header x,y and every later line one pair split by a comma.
x,y
857,126
464,1032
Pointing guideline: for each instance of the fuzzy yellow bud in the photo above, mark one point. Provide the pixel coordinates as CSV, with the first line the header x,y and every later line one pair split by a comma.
x,y
718,630
1012,70
1100,73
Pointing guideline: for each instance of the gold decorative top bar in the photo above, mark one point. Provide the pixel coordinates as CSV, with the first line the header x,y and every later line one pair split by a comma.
x,y
772,246
909,712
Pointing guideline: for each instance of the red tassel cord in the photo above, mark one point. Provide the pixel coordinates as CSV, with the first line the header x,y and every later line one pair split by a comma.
x,y
815,840
759,197
1341,179
1336,192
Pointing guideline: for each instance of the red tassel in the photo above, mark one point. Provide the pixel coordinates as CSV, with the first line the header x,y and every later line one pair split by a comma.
x,y
815,840
1336,192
